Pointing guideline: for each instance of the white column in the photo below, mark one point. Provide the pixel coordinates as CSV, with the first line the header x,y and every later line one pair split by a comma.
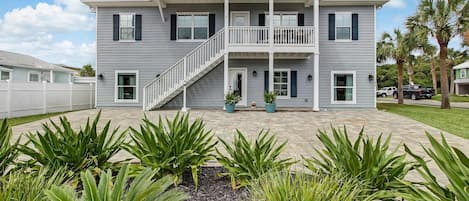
x,y
226,58
271,44
184,94
316,57
271,71
51,78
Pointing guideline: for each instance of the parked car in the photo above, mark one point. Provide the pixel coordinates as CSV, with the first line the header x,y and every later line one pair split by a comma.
x,y
385,91
416,92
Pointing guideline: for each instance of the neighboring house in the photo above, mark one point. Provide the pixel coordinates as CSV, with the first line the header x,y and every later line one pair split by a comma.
x,y
20,68
461,80
317,54
76,71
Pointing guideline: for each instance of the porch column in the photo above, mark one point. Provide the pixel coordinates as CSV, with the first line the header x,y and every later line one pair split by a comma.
x,y
184,93
271,45
225,66
316,57
51,76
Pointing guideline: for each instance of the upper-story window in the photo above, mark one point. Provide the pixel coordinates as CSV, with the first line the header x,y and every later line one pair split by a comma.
x,y
127,27
192,26
283,19
343,26
462,73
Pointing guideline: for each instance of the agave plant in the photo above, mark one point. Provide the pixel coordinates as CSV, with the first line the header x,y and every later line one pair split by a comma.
x,y
301,187
455,166
27,185
142,188
174,148
373,163
249,160
62,146
8,151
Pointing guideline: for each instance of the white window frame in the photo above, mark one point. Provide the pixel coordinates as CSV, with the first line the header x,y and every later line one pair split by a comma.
x,y
5,71
350,37
281,13
34,73
461,73
120,28
354,89
116,87
192,26
288,96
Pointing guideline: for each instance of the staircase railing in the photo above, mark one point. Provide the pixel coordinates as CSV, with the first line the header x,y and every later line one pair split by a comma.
x,y
183,70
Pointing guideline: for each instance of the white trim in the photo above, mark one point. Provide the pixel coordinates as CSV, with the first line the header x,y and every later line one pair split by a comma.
x,y
375,84
116,73
134,27
244,70
288,70
354,89
34,73
240,12
351,27
96,60
192,26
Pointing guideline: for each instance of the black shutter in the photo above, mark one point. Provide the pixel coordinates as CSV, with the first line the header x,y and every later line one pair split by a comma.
x,y
262,19
354,26
115,27
211,24
301,19
331,26
173,26
294,83
266,81
138,27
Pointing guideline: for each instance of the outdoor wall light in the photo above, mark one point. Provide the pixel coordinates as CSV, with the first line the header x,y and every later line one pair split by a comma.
x,y
310,77
157,75
254,73
370,77
100,77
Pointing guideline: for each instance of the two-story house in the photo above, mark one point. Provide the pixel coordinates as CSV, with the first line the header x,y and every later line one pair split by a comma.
x,y
461,81
317,54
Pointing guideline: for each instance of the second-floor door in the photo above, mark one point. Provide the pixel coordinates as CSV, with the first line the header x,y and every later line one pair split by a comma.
x,y
240,18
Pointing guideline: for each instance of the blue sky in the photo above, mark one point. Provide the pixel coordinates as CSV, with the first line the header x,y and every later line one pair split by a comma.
x,y
63,31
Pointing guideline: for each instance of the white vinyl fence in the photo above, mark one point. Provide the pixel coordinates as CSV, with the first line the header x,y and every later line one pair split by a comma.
x,y
23,99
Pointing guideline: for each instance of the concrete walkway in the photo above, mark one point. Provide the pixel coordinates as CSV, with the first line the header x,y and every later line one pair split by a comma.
x,y
426,102
299,128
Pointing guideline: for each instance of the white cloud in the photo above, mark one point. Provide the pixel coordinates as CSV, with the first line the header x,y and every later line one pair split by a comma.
x,y
396,4
33,30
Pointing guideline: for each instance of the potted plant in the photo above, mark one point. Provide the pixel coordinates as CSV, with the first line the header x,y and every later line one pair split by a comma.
x,y
269,99
231,99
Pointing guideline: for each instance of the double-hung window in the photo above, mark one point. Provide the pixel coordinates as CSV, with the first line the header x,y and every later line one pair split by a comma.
x,y
283,19
127,27
282,83
126,86
462,73
34,77
343,26
4,75
192,26
343,87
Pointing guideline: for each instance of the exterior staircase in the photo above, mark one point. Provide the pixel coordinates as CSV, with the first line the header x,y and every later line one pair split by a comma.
x,y
185,72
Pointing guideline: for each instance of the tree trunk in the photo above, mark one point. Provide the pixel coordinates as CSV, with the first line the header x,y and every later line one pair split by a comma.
x,y
435,82
451,88
400,82
445,104
410,73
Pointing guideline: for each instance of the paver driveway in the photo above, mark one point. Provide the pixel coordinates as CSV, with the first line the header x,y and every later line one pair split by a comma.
x,y
299,128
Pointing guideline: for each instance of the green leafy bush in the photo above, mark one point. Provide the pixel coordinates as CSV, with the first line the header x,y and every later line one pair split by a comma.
x,y
26,185
8,151
62,146
270,97
232,98
373,163
301,187
143,188
173,148
455,166
249,160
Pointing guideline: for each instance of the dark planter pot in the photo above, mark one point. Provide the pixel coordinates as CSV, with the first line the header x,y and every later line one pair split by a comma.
x,y
270,107
230,108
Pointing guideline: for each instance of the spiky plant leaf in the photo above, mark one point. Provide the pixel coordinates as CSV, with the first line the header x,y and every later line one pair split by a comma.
x,y
8,151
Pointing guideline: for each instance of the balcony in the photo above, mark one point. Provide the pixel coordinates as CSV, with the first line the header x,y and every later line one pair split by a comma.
x,y
256,39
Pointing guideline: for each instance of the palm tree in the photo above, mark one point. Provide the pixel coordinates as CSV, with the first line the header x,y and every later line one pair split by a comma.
x,y
430,55
411,62
395,47
87,71
442,20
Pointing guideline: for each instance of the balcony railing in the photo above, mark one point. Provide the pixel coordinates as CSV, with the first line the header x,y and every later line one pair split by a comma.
x,y
259,36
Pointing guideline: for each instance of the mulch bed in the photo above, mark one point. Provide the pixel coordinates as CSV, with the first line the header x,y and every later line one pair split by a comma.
x,y
212,187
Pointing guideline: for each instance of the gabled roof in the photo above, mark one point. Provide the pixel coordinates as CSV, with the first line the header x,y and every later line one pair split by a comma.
x,y
11,59
462,66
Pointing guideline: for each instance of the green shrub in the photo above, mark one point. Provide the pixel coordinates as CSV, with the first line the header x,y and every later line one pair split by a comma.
x,y
270,97
249,160
301,187
8,151
232,98
455,166
143,188
62,146
178,147
23,185
373,163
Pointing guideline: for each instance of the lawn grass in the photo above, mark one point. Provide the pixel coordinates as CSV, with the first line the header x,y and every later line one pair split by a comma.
x,y
451,120
22,120
452,98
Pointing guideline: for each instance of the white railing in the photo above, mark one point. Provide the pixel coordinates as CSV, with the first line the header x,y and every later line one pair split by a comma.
x,y
184,70
295,36
248,35
259,36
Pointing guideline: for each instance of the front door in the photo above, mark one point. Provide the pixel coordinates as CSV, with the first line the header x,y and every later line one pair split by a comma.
x,y
238,84
240,18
